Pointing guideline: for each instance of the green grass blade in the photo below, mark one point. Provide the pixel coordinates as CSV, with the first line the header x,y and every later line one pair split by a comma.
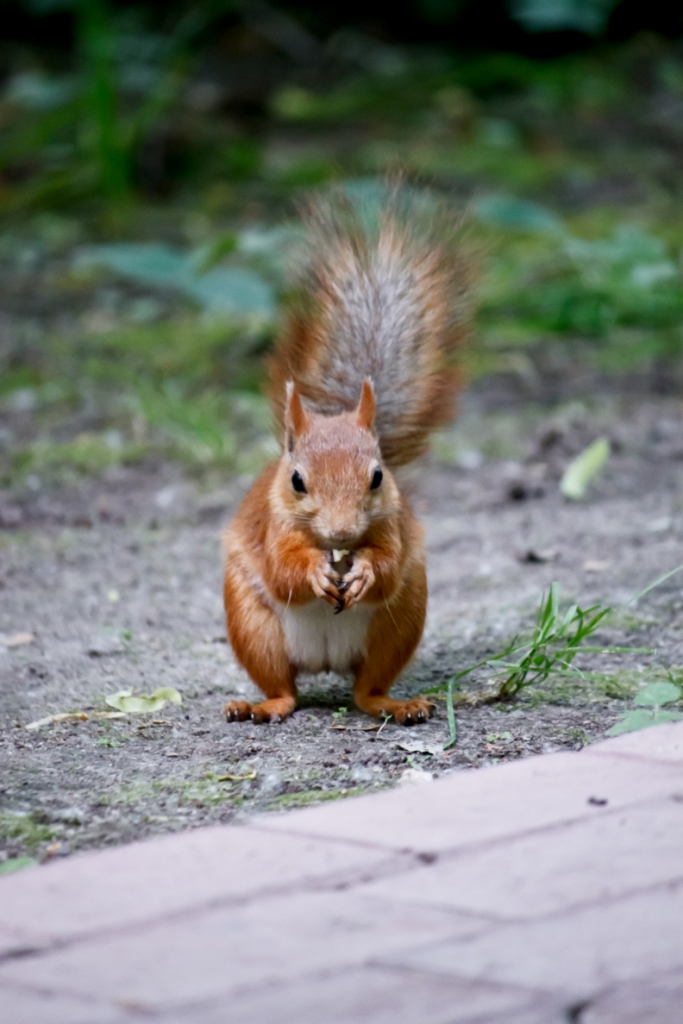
x,y
450,714
652,586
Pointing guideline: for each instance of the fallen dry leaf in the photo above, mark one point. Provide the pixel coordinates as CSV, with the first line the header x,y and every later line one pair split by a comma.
x,y
123,700
236,778
363,728
581,470
72,716
420,747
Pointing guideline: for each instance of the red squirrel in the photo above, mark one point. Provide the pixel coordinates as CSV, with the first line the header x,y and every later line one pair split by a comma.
x,y
325,561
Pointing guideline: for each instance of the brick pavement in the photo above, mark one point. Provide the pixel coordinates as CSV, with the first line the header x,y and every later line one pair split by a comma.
x,y
543,891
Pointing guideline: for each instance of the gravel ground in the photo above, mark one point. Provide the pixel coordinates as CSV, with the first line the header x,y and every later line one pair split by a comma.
x,y
119,581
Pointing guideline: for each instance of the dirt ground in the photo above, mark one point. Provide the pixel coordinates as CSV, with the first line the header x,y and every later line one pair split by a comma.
x,y
119,582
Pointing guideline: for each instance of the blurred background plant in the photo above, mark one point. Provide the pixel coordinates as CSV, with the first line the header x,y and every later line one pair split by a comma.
x,y
152,155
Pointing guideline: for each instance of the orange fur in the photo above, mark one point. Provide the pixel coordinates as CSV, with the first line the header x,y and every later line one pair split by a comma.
x,y
357,383
391,305
278,551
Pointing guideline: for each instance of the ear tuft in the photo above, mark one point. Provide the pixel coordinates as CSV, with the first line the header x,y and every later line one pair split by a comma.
x,y
296,420
365,411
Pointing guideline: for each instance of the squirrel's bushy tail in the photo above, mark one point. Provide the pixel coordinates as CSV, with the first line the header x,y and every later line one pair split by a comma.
x,y
383,295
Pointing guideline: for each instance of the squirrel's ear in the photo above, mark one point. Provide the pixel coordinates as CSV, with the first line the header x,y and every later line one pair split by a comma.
x,y
296,420
365,411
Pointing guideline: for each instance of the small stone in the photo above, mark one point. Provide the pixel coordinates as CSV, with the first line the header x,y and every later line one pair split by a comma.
x,y
272,784
415,776
166,497
534,556
17,639
102,646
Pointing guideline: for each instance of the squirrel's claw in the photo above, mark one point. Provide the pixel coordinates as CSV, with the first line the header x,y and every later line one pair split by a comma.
x,y
357,582
325,584
414,712
237,711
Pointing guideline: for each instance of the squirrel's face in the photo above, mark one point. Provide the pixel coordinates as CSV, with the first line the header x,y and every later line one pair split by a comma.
x,y
331,480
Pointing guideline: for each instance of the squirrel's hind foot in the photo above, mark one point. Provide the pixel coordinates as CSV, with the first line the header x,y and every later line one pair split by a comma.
x,y
275,710
404,712
413,712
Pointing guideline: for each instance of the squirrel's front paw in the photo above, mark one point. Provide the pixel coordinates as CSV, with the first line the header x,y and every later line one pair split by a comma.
x,y
324,581
357,582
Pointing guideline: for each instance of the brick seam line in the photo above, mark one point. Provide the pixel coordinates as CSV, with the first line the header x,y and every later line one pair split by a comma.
x,y
626,755
399,862
425,857
466,912
395,864
573,908
272,984
505,926
650,979
339,880
376,963
159,1012
375,966
48,992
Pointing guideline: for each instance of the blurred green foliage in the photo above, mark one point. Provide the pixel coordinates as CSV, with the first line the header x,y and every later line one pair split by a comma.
x,y
146,220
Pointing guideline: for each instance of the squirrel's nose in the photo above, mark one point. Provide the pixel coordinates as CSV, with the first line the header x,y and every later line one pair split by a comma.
x,y
340,535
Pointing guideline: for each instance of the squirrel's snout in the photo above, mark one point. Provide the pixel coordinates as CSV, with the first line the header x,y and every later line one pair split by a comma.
x,y
341,535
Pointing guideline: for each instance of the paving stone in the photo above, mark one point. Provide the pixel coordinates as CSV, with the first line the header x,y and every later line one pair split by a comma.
x,y
555,869
543,1013
199,956
475,806
657,999
574,955
370,994
117,887
24,1006
660,743
13,940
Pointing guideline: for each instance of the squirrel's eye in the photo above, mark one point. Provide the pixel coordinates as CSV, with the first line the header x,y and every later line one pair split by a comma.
x,y
376,479
298,482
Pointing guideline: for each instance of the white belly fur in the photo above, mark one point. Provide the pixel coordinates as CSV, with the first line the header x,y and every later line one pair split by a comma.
x,y
318,640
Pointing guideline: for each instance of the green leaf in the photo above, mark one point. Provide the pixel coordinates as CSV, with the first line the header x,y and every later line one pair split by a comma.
x,y
657,694
589,16
8,867
234,291
123,700
508,212
168,693
631,721
231,290
584,468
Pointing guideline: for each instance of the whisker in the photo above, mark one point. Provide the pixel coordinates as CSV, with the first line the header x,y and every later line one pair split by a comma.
x,y
390,615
